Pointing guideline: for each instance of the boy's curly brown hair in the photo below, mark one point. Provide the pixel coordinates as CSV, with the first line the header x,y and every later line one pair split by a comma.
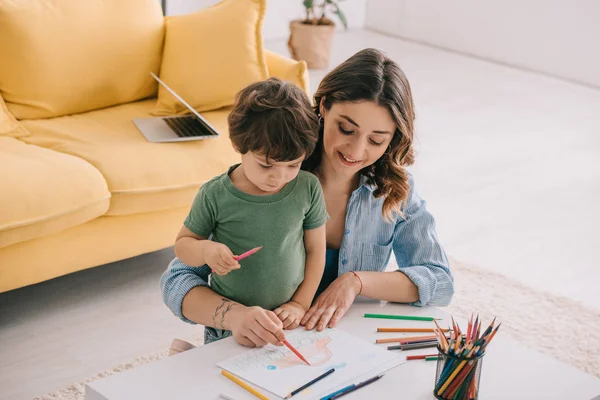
x,y
273,118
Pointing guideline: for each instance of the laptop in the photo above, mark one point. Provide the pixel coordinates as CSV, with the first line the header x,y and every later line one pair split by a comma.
x,y
179,128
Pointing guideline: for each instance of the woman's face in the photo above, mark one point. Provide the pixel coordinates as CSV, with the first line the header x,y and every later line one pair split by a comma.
x,y
356,134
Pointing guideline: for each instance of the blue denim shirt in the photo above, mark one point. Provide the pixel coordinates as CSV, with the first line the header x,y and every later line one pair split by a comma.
x,y
367,245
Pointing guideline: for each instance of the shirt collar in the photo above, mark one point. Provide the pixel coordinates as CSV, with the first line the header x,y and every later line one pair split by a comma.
x,y
364,181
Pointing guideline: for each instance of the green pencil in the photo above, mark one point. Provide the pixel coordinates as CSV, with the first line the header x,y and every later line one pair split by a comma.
x,y
432,358
405,317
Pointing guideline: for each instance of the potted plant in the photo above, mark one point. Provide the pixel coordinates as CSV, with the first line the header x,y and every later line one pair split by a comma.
x,y
311,37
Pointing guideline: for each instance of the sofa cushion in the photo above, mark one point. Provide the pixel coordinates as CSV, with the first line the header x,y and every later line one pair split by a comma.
x,y
9,126
142,176
44,191
211,54
288,70
62,56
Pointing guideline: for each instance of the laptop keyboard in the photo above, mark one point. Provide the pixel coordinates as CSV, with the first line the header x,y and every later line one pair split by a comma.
x,y
187,126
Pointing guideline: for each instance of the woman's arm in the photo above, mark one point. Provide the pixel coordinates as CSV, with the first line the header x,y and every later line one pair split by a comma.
x,y
250,326
420,256
335,301
388,286
186,292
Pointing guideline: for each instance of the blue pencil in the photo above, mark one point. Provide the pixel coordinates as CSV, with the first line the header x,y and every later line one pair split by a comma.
x,y
365,383
318,378
330,395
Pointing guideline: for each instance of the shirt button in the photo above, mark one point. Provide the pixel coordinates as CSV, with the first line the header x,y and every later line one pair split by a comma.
x,y
346,231
344,262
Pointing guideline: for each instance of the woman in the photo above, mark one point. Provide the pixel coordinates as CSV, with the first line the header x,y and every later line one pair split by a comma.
x,y
366,115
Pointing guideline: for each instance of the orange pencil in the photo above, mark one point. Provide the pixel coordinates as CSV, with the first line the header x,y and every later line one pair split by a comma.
x,y
407,340
440,330
402,339
406,330
296,352
469,328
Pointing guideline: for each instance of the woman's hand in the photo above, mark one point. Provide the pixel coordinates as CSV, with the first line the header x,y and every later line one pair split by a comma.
x,y
256,327
333,303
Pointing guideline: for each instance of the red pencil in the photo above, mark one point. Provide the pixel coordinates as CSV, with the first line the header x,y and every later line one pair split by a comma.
x,y
421,357
296,352
246,254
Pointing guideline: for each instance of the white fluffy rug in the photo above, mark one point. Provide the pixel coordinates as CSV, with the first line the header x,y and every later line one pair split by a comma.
x,y
539,320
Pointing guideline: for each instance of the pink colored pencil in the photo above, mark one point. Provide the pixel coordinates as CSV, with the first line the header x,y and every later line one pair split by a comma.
x,y
246,254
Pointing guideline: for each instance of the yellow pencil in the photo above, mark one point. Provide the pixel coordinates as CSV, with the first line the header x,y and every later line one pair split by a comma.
x,y
244,385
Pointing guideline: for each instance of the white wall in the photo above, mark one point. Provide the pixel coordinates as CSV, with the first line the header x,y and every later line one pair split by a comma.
x,y
279,14
557,37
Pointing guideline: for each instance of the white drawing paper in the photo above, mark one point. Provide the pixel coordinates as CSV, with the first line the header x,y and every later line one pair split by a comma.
x,y
279,371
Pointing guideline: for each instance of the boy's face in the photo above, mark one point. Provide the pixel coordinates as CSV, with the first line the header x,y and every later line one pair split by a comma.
x,y
269,176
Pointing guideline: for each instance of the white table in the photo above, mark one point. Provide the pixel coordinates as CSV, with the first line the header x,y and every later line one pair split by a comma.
x,y
510,370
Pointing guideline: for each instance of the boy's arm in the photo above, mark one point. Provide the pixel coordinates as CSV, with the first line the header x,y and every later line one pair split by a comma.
x,y
195,251
190,248
315,245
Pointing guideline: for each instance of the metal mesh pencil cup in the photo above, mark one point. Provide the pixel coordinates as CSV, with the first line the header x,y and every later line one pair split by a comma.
x,y
457,378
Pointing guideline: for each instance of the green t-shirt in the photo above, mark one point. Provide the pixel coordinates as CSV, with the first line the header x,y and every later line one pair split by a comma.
x,y
277,222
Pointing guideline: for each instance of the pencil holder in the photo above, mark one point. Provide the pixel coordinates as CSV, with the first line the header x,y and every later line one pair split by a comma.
x,y
457,377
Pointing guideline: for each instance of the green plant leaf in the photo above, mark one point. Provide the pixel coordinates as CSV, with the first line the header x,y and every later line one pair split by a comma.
x,y
341,16
308,3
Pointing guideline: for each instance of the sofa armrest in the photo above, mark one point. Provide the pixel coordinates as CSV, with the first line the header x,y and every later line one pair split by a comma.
x,y
288,70
9,125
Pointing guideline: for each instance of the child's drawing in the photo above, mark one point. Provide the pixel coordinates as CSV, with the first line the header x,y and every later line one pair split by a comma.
x,y
312,345
280,371
314,349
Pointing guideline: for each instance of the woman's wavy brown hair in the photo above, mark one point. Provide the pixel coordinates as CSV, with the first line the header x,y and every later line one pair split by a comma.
x,y
370,75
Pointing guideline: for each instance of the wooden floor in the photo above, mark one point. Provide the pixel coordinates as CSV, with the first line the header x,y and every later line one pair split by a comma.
x,y
508,162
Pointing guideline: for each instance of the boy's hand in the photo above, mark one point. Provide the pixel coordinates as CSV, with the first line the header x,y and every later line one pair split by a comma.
x,y
220,259
290,314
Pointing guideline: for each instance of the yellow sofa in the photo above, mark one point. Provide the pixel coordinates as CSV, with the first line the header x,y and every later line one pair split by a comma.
x,y
79,185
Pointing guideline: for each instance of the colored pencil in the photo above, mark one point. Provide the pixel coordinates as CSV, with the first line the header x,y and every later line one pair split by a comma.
x,y
317,379
296,352
389,340
244,385
402,339
414,346
469,328
356,387
420,357
330,395
441,335
408,330
433,358
423,345
417,339
458,377
246,254
404,317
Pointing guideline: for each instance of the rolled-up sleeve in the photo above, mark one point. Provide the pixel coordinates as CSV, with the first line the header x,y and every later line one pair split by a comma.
x,y
419,254
178,280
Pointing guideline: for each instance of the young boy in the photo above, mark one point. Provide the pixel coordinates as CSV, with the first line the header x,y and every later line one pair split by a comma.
x,y
264,201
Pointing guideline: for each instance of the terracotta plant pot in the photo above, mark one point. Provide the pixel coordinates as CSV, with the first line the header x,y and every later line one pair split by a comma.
x,y
311,43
